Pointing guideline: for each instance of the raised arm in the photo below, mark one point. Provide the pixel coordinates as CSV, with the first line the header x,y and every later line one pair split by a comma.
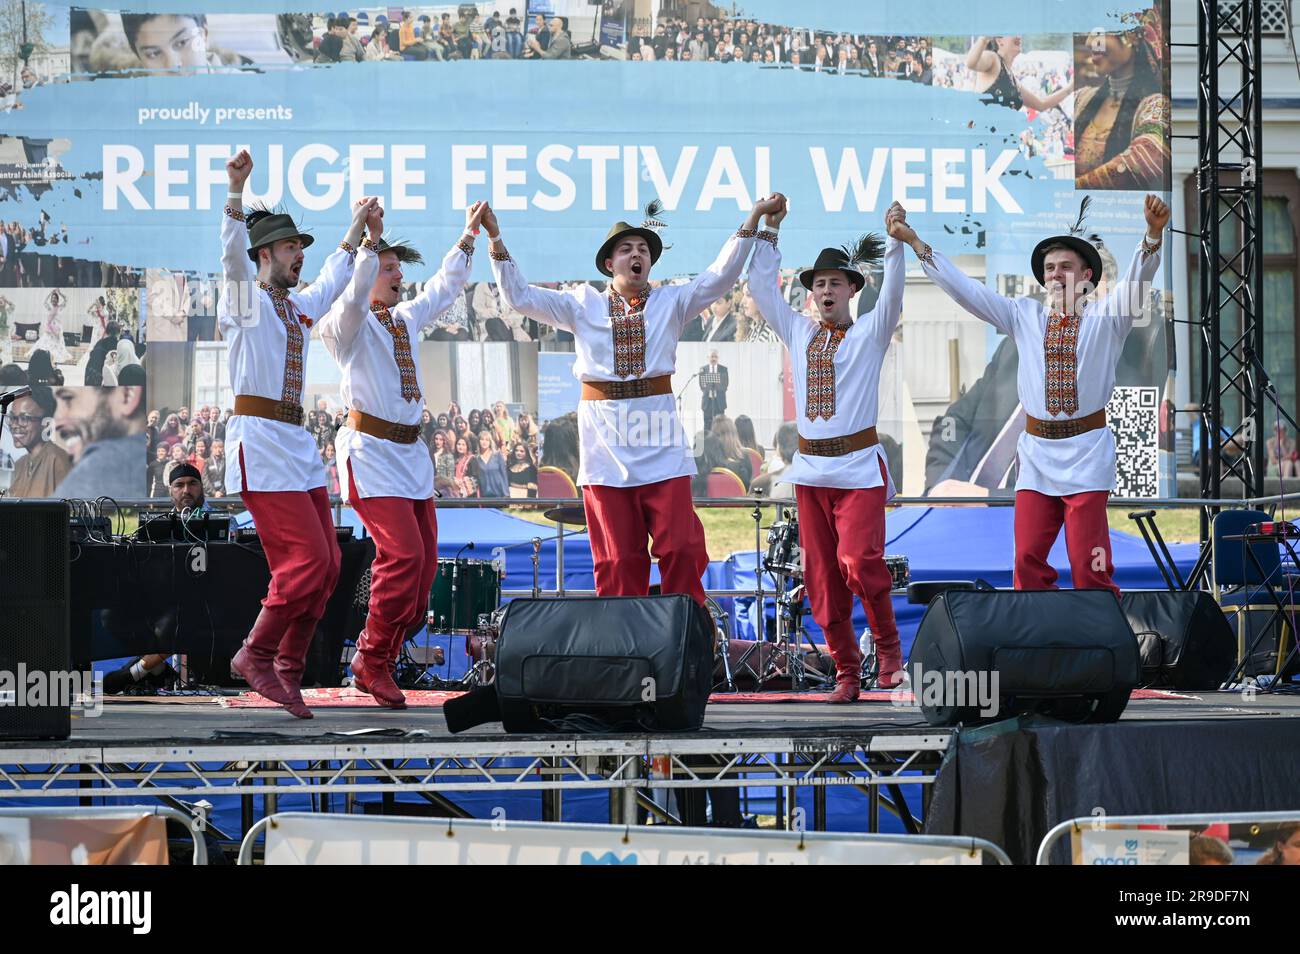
x,y
998,310
979,58
440,291
235,263
334,275
339,328
884,317
1127,299
714,282
541,304
765,278
1043,103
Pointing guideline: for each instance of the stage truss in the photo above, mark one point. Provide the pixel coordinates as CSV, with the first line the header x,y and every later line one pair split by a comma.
x,y
877,764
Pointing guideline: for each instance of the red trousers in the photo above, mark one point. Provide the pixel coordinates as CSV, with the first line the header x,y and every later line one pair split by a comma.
x,y
842,535
406,561
618,521
296,530
1087,540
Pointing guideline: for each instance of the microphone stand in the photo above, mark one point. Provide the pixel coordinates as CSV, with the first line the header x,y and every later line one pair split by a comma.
x,y
683,391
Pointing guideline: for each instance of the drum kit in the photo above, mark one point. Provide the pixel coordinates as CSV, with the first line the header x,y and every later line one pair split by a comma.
x,y
465,601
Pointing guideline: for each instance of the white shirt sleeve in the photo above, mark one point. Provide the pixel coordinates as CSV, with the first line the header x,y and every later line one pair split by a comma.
x,y
315,300
1127,299
339,328
236,271
884,317
558,309
440,291
715,281
998,310
765,289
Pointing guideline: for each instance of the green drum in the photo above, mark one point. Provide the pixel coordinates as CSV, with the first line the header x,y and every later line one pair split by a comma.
x,y
462,591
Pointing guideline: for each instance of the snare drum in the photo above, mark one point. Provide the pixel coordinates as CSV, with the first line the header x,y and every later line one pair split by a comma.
x,y
783,548
462,591
899,571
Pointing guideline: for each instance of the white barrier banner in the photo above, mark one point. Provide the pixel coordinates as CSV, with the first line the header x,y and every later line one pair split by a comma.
x,y
1134,847
349,840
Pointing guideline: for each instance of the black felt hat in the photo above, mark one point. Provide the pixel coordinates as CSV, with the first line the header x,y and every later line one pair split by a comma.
x,y
866,251
647,230
267,227
1076,241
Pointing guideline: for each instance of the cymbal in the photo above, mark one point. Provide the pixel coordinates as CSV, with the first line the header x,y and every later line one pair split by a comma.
x,y
574,514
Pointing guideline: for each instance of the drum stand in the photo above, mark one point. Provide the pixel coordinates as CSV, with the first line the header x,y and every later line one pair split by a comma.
x,y
787,652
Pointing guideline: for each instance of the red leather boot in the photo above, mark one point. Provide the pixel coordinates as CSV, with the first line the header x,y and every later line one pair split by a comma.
x,y
255,661
889,658
848,666
292,661
371,672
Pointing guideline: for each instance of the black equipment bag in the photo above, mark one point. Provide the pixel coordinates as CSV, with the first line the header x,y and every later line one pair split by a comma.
x,y
618,663
1066,653
1184,638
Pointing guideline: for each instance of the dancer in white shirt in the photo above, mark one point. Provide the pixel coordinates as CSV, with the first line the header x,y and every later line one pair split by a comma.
x,y
385,471
840,473
271,461
636,461
1068,351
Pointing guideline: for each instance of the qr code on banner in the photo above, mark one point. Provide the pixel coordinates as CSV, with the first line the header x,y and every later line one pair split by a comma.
x,y
1133,414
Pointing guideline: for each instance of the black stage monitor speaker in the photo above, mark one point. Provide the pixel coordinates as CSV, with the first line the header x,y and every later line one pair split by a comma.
x,y
1066,653
620,663
34,637
1183,636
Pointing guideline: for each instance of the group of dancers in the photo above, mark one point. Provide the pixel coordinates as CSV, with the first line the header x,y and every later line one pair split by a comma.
x,y
636,481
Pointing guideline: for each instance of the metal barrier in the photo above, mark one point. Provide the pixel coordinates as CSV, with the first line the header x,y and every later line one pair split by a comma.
x,y
193,824
1118,822
545,842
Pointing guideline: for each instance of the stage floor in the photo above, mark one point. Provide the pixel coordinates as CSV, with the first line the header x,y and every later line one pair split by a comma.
x,y
128,721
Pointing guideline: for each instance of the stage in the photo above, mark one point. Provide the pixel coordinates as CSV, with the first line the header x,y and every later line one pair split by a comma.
x,y
867,767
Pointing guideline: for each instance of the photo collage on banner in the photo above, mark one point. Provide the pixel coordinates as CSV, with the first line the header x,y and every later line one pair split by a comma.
x,y
117,126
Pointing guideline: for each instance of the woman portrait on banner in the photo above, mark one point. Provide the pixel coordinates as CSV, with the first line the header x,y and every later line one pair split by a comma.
x,y
523,471
1121,126
991,58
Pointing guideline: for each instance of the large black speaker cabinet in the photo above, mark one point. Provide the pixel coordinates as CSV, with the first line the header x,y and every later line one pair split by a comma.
x,y
1066,653
1184,638
35,654
623,663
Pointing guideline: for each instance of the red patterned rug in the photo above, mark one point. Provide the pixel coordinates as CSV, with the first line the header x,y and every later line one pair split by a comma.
x,y
348,697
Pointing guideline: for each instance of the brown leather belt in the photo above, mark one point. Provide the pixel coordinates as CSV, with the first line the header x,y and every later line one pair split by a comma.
x,y
626,390
251,405
1057,430
838,446
378,427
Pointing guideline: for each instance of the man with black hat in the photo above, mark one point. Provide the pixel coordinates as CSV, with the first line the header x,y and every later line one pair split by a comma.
x,y
635,477
270,459
385,471
841,477
186,489
1068,352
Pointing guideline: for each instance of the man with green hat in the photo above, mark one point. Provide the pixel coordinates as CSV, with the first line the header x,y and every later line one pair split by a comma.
x,y
635,459
840,473
1068,352
271,461
385,471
